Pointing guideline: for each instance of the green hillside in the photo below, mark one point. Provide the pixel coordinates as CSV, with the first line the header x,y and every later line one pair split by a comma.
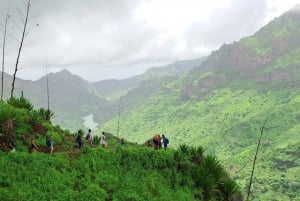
x,y
114,89
70,97
129,172
223,104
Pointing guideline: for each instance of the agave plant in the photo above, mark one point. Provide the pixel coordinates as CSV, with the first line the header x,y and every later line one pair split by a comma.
x,y
49,115
206,182
21,103
46,114
196,154
182,157
183,148
231,191
218,172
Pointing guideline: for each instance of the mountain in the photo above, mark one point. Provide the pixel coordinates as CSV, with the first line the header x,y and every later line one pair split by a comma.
x,y
114,89
70,97
223,104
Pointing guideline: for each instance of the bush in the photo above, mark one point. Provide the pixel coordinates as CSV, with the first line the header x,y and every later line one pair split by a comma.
x,y
56,136
21,103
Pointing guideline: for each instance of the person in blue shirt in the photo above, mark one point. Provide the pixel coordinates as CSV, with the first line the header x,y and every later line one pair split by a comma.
x,y
165,141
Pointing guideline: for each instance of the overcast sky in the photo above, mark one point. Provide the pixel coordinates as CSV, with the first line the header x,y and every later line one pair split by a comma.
x,y
104,39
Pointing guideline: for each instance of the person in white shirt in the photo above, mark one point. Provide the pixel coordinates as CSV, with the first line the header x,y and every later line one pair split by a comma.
x,y
103,140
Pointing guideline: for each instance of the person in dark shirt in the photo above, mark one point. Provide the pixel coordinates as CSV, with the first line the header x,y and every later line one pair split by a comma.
x,y
78,140
165,141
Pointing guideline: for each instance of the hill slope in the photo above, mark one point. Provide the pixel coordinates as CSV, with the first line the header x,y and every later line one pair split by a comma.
x,y
114,89
130,172
71,97
223,103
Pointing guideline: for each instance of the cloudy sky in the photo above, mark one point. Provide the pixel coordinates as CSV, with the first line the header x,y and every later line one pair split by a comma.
x,y
104,39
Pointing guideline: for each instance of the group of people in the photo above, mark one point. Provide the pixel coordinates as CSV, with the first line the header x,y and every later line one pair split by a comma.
x,y
89,139
158,141
49,143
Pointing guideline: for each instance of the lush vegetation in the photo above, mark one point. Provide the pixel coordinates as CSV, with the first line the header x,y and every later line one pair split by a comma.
x,y
121,174
227,122
222,106
127,172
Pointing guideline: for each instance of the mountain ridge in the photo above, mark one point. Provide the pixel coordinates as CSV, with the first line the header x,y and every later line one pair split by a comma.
x,y
223,103
72,97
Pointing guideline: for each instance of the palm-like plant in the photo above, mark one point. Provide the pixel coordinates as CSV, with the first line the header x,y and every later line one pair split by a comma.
x,y
196,154
205,181
231,191
218,172
49,115
21,103
182,157
46,114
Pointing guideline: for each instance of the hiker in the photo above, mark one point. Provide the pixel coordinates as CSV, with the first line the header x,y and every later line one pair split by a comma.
x,y
89,137
78,140
165,141
156,140
50,144
34,147
159,141
122,142
103,140
12,146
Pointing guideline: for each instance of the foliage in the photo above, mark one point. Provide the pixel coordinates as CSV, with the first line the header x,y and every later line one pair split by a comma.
x,y
227,122
21,103
221,109
128,172
131,173
47,115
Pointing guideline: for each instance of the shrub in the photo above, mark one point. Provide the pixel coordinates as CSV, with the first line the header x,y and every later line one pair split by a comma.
x,y
56,136
21,103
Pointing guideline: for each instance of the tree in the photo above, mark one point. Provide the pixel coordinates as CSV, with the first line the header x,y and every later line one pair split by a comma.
x,y
20,48
3,52
254,160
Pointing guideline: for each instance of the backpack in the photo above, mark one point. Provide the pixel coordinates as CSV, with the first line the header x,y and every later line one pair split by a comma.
x,y
167,140
48,143
87,137
78,139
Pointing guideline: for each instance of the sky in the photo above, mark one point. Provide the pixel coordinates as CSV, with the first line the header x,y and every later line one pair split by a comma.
x,y
116,39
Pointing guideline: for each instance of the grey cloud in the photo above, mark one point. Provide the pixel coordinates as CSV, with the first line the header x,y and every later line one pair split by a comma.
x,y
104,37
241,19
71,33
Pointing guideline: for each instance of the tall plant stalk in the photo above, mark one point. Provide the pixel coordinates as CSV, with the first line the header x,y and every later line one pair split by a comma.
x,y
3,55
48,96
254,160
20,49
119,114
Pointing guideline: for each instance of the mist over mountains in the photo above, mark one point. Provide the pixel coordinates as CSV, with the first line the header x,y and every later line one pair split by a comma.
x,y
72,97
219,102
